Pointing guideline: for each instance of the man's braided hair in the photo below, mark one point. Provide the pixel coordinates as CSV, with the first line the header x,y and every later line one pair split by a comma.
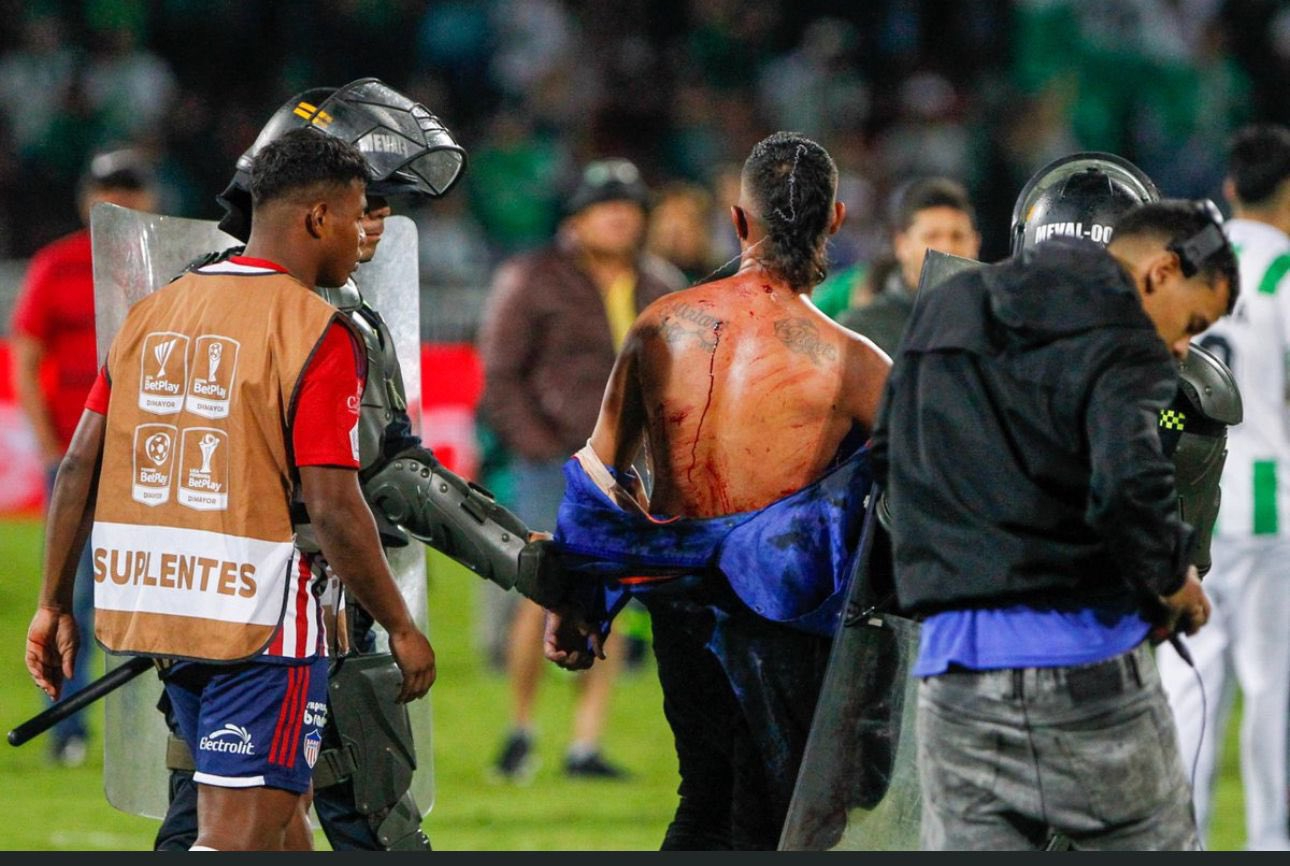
x,y
792,181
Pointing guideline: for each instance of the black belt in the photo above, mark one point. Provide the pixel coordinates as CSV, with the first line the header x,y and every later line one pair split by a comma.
x,y
1098,680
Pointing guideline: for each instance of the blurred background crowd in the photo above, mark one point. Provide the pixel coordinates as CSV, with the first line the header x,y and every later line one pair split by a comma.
x,y
982,91
942,109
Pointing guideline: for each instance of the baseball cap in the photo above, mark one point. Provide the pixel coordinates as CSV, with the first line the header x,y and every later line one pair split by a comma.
x,y
608,180
125,168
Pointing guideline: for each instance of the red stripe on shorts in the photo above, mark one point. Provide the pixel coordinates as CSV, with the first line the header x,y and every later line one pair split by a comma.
x,y
298,717
279,730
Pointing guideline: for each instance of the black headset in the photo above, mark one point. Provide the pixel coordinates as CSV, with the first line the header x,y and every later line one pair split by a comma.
x,y
1196,250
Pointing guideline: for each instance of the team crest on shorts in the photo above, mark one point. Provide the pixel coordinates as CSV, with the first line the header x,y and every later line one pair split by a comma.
x,y
313,741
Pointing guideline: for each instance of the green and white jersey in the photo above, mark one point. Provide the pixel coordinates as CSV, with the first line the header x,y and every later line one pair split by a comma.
x,y
1254,342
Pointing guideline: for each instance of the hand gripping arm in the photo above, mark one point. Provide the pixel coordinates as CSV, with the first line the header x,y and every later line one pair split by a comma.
x,y
463,520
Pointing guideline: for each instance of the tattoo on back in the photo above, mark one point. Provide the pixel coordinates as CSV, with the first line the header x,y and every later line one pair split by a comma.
x,y
803,337
685,322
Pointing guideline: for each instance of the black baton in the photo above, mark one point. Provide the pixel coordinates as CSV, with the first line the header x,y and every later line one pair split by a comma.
x,y
109,682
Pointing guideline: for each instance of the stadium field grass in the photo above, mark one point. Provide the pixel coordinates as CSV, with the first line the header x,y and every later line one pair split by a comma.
x,y
50,808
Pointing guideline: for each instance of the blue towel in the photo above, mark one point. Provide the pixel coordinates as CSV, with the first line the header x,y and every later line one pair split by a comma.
x,y
788,562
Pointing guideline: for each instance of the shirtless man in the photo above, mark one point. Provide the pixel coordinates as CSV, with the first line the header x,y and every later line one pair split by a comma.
x,y
747,399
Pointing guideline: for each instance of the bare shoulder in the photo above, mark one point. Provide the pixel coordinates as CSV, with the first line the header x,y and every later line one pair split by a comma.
x,y
688,317
707,295
805,329
863,351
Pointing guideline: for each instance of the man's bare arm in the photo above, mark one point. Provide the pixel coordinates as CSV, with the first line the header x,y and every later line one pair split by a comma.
x,y
52,636
27,354
569,641
621,425
347,535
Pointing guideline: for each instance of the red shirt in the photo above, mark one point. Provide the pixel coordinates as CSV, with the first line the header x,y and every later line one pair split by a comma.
x,y
324,431
56,309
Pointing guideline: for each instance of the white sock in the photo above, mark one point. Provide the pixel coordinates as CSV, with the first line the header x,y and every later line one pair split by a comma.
x,y
581,750
202,848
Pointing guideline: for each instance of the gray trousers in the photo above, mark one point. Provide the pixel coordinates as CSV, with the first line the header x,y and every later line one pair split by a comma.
x,y
1007,757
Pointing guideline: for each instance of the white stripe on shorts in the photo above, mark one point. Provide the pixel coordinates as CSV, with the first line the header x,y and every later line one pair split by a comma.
x,y
229,781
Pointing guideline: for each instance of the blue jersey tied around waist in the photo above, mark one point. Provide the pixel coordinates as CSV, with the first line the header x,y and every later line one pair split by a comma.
x,y
788,562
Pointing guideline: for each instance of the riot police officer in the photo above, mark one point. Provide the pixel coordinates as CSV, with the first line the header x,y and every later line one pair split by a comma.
x,y
1082,195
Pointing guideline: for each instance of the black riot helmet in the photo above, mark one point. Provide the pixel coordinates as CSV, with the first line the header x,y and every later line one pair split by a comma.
x,y
1079,195
408,149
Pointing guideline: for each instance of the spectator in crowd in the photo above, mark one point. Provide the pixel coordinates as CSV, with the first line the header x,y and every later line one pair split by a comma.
x,y
554,321
817,85
34,78
929,214
129,87
513,176
56,361
679,226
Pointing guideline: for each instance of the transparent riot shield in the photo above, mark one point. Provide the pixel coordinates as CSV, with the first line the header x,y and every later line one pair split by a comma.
x,y
390,284
136,253
858,785
857,788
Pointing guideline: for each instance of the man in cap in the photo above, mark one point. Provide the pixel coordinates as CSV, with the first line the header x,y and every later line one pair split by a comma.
x,y
554,320
55,363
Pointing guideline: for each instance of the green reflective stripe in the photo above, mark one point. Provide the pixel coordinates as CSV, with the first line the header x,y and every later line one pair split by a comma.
x,y
1274,274
1265,497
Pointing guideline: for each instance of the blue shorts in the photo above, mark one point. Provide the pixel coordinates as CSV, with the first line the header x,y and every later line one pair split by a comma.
x,y
253,724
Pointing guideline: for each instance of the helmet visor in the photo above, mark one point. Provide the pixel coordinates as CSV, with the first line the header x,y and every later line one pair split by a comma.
x,y
394,134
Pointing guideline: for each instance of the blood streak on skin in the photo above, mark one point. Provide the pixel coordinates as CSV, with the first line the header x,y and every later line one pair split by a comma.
x,y
719,487
712,380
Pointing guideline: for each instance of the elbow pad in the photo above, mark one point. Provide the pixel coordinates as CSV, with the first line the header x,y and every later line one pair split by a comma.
x,y
1199,465
1193,431
415,492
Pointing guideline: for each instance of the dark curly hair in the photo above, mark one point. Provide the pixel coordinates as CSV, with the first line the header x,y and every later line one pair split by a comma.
x,y
301,159
793,182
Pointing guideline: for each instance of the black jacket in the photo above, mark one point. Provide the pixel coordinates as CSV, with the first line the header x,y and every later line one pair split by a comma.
x,y
1018,441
